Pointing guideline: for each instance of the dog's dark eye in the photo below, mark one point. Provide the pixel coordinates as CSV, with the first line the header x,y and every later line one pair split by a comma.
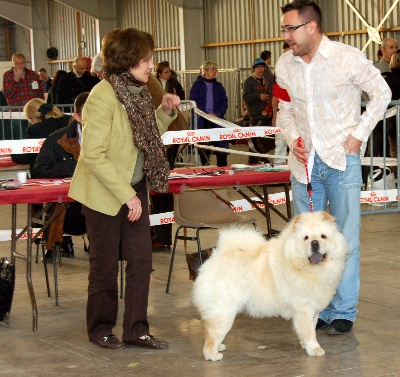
x,y
323,236
305,238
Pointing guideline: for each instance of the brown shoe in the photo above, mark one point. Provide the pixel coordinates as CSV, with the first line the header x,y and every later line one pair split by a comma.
x,y
148,341
111,342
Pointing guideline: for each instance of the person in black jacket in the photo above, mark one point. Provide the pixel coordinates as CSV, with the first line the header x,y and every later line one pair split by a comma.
x,y
169,81
44,119
57,158
73,83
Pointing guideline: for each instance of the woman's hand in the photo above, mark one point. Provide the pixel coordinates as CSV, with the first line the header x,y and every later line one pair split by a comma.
x,y
135,208
170,102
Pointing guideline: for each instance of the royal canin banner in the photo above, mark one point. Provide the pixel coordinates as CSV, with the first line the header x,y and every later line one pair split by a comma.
x,y
20,146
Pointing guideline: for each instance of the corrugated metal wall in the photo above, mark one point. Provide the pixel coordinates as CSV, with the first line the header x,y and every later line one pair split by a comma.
x,y
228,21
159,18
23,42
64,34
339,17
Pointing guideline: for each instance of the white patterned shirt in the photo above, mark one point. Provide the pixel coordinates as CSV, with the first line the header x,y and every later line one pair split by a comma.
x,y
325,105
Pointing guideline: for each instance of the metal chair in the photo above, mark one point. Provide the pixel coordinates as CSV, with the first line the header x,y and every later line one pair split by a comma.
x,y
199,210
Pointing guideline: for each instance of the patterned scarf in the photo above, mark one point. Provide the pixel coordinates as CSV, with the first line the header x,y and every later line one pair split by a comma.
x,y
146,136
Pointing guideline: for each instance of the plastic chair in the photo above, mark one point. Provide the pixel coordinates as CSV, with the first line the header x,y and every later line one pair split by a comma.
x,y
199,210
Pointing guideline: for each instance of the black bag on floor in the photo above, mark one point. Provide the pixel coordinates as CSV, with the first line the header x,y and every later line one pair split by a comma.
x,y
193,262
7,283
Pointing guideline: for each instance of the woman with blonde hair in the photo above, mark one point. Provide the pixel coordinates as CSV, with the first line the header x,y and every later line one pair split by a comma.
x,y
43,120
210,97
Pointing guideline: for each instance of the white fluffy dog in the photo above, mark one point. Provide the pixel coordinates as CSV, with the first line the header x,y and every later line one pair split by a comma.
x,y
294,276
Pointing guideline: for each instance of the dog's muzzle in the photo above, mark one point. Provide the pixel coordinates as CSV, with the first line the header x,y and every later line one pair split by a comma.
x,y
316,257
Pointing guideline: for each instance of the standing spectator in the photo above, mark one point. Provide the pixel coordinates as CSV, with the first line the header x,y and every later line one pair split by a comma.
x,y
255,94
169,83
210,97
75,82
393,80
267,74
388,48
52,94
21,84
324,112
122,156
45,80
257,99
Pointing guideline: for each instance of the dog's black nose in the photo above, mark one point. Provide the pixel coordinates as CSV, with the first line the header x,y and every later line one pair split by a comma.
x,y
315,246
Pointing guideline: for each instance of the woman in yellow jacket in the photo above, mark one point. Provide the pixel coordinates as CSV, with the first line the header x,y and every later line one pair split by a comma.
x,y
122,157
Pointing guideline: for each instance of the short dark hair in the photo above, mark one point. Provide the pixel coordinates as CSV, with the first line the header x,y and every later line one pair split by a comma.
x,y
308,11
161,66
80,101
123,49
265,55
42,70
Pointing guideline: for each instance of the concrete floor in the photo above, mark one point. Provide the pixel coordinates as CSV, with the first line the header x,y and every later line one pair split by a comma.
x,y
255,347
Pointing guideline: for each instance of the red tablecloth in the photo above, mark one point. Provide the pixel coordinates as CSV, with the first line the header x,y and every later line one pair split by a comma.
x,y
36,193
59,192
6,163
244,178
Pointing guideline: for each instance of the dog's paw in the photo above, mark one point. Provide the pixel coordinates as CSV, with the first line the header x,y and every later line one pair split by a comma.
x,y
315,351
221,347
214,356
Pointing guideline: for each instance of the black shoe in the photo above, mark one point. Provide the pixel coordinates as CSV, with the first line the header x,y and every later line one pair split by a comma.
x,y
321,324
111,342
67,247
48,256
148,341
339,327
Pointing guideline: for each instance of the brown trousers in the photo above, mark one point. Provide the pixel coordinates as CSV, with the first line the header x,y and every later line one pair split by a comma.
x,y
107,234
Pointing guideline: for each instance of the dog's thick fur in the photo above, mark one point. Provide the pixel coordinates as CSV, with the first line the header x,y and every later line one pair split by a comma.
x,y
294,276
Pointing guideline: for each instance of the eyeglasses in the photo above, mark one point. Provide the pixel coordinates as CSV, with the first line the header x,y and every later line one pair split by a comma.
x,y
291,29
211,172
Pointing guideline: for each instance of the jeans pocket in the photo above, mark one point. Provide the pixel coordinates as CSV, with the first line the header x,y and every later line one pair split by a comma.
x,y
352,176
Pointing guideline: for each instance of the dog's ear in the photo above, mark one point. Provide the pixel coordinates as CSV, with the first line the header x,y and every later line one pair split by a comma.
x,y
329,217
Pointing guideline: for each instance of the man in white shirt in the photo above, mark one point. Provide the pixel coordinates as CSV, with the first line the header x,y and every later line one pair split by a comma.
x,y
323,125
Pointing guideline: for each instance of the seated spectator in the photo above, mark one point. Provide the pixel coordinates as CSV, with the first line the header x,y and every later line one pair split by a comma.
x,y
52,93
43,119
170,84
45,80
57,159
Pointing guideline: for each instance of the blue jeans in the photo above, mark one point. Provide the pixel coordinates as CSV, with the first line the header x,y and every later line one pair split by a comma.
x,y
342,190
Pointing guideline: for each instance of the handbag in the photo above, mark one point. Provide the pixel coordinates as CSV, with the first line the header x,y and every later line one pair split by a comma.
x,y
193,262
381,180
7,284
